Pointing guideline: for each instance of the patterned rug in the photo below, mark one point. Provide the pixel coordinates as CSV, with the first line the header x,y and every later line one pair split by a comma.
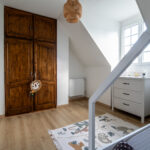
x,y
75,137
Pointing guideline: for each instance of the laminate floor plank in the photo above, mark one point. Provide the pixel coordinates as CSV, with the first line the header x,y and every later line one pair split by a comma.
x,y
30,131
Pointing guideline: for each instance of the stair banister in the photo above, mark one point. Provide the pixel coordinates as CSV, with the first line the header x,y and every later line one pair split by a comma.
x,y
139,46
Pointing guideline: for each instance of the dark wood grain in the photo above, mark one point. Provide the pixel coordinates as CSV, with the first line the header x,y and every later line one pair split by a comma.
x,y
18,23
44,29
30,47
18,65
45,69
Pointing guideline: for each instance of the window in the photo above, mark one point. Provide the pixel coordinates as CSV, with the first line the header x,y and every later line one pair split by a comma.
x,y
130,35
146,52
146,55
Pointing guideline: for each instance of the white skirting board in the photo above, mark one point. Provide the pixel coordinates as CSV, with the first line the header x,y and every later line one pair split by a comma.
x,y
77,87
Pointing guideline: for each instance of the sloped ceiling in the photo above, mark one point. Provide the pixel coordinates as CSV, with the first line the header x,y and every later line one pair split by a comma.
x,y
83,45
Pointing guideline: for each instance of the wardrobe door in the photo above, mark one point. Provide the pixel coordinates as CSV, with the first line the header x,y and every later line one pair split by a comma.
x,y
18,71
45,70
18,23
44,29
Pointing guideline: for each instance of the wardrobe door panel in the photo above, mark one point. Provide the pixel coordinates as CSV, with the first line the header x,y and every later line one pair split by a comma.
x,y
18,23
19,68
27,36
46,98
19,65
18,99
45,69
44,29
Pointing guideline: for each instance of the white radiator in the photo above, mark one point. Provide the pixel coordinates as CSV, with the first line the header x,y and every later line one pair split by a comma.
x,y
76,87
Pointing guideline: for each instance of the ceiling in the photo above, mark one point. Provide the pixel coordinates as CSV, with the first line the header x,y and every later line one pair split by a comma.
x,y
118,10
49,8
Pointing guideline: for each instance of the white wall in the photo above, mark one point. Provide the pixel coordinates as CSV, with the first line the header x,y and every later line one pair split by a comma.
x,y
102,22
106,36
108,41
95,65
62,66
94,77
83,44
2,102
105,32
76,68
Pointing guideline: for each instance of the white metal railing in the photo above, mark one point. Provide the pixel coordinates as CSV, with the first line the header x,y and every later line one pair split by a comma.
x,y
139,46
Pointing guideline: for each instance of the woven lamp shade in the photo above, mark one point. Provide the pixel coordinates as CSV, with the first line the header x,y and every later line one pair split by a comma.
x,y
72,11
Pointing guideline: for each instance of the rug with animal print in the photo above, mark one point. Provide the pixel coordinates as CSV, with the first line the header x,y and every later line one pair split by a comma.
x,y
75,136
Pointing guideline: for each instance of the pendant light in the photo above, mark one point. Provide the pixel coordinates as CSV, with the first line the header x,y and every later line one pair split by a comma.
x,y
72,11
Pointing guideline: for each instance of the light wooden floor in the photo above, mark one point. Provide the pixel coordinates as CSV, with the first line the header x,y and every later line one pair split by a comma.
x,y
30,131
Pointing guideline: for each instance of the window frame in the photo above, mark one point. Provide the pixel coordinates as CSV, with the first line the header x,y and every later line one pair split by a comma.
x,y
130,24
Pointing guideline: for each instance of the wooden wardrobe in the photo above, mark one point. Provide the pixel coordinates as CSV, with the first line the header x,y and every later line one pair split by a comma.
x,y
30,53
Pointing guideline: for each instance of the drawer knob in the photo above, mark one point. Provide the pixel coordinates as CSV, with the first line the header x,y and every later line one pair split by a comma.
x,y
126,94
126,83
126,104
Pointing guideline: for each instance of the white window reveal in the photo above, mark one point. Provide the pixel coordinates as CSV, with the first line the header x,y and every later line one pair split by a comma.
x,y
146,55
130,35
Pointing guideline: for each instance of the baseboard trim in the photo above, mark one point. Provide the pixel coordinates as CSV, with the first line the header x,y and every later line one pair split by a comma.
x,y
59,106
78,98
102,104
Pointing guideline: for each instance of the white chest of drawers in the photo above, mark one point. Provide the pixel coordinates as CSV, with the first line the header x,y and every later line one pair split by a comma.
x,y
132,95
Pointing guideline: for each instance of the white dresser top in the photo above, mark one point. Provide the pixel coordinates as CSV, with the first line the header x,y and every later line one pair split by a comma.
x,y
136,78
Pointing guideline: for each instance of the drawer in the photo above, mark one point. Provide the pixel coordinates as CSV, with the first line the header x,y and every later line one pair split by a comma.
x,y
136,85
130,95
128,106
